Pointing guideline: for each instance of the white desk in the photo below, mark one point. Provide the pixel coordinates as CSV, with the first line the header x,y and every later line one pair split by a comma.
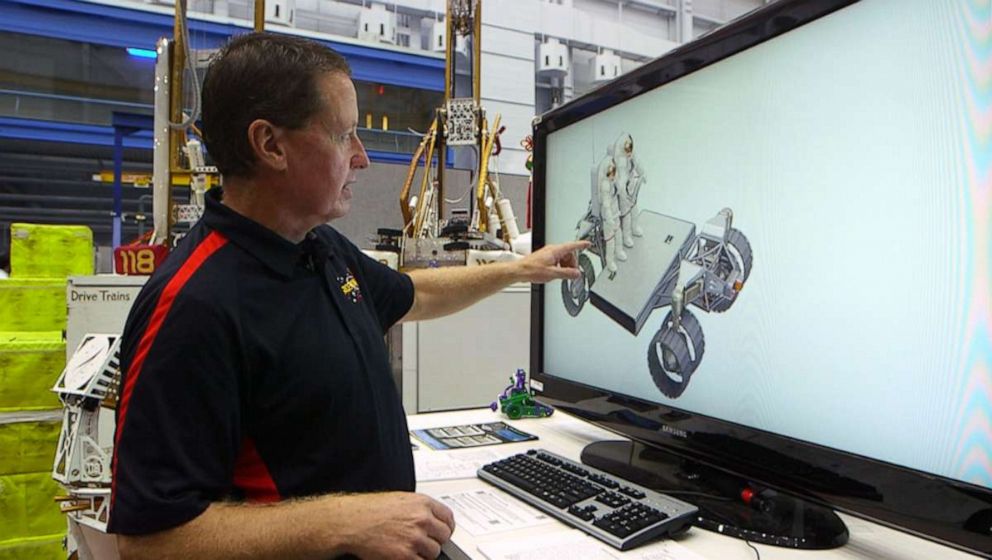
x,y
567,435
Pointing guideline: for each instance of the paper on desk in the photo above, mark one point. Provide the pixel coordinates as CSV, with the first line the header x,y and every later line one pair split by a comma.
x,y
576,545
483,511
447,465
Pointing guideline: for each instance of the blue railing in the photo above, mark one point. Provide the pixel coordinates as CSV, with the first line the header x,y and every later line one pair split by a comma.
x,y
104,24
27,115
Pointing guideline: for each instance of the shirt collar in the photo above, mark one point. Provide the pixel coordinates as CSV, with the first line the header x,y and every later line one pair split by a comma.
x,y
275,251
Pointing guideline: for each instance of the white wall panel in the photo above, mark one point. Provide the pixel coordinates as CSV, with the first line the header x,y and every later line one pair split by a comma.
x,y
507,79
601,10
417,5
558,21
723,10
518,44
511,14
514,162
583,27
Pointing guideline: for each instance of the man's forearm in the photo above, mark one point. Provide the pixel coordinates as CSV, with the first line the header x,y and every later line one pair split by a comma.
x,y
442,291
377,525
311,528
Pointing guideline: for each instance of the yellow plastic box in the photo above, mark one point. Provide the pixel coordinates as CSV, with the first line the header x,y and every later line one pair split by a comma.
x,y
47,251
28,507
48,547
36,304
30,363
28,441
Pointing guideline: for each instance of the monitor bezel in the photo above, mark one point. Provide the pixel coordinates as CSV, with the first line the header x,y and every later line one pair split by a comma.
x,y
937,502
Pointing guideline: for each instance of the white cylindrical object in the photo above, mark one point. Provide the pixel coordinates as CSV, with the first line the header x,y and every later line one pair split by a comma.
x,y
493,222
552,58
605,66
509,219
439,35
161,179
194,152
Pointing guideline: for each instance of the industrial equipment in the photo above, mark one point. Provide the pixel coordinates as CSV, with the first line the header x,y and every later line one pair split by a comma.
x,y
428,238
88,388
178,156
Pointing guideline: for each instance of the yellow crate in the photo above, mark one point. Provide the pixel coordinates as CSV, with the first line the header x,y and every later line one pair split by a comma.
x,y
28,370
32,304
47,251
28,507
48,547
28,441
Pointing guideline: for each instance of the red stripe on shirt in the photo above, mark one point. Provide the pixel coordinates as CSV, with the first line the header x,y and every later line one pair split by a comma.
x,y
207,247
252,476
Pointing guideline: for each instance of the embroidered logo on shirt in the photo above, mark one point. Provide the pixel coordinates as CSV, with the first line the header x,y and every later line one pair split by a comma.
x,y
350,288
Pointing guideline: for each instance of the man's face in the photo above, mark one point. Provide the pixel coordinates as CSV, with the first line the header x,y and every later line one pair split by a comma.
x,y
325,154
628,146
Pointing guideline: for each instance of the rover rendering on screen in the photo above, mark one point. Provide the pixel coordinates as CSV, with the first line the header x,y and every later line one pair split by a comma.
x,y
650,261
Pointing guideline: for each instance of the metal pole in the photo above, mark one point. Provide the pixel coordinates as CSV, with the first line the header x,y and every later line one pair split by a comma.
x,y
259,15
477,53
480,121
115,239
161,172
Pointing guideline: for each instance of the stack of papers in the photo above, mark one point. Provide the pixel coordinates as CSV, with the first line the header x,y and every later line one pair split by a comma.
x,y
449,465
576,545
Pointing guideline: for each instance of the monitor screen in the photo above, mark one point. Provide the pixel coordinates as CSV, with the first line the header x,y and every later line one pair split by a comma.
x,y
794,238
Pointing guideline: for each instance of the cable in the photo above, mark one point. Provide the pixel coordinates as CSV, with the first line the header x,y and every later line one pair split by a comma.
x,y
461,198
754,548
471,180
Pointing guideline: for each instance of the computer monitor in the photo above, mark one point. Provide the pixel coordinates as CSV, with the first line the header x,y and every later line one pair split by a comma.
x,y
789,284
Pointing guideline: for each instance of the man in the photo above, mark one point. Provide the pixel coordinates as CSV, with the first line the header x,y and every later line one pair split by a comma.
x,y
257,417
609,212
630,177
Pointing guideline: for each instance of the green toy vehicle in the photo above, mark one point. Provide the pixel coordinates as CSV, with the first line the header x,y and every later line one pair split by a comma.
x,y
517,400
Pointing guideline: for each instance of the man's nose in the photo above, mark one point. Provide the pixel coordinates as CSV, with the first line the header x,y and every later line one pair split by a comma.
x,y
361,159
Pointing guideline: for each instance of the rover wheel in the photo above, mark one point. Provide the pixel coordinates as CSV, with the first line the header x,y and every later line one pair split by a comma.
x,y
514,411
735,256
740,249
674,354
575,293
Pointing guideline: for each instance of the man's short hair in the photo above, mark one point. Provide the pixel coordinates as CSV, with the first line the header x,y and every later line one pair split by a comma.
x,y
261,76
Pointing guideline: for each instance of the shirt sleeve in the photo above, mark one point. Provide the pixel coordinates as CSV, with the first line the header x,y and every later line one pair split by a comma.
x,y
178,415
391,291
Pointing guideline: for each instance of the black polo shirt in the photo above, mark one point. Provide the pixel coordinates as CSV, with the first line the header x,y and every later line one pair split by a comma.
x,y
256,369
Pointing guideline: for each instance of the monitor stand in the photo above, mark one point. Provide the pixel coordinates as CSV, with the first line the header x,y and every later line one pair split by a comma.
x,y
766,517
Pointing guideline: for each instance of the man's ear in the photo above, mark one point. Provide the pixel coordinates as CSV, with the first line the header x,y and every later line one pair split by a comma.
x,y
268,143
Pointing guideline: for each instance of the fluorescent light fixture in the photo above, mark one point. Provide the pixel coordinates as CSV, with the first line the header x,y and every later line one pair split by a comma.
x,y
142,53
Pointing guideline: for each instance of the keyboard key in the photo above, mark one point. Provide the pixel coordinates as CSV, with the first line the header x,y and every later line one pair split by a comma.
x,y
632,492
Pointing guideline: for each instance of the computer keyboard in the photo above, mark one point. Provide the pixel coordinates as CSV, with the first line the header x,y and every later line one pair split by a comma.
x,y
617,512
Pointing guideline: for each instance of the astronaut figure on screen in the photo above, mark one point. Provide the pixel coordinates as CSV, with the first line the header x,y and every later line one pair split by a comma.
x,y
630,177
609,212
